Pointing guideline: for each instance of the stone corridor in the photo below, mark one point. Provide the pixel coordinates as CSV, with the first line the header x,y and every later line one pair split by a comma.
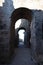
x,y
23,57
33,25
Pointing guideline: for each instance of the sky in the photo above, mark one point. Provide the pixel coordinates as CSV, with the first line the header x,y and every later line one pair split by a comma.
x,y
31,4
1,2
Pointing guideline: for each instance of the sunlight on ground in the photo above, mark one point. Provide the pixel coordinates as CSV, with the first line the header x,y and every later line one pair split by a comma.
x,y
21,34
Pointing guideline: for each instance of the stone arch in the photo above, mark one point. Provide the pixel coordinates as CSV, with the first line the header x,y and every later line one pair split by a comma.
x,y
20,13
17,39
21,28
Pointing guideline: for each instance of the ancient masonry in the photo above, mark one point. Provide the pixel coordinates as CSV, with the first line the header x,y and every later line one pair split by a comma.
x,y
36,30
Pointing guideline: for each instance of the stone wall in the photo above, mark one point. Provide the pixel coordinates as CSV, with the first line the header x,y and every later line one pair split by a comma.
x,y
5,13
36,30
36,35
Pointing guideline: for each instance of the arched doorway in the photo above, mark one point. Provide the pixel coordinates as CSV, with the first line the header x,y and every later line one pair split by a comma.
x,y
18,14
21,35
25,25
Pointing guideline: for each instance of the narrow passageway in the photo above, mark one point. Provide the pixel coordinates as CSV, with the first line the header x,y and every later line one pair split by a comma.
x,y
23,57
21,34
22,54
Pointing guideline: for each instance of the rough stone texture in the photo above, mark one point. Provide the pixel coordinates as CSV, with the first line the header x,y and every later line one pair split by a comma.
x,y
36,35
36,31
5,13
23,57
